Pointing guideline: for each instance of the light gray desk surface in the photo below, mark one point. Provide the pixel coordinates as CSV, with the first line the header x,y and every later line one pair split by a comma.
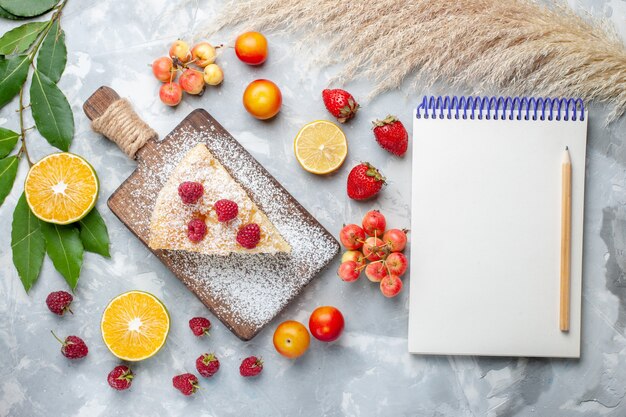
x,y
368,371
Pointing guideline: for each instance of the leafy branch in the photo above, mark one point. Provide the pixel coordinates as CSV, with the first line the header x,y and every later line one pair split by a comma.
x,y
38,48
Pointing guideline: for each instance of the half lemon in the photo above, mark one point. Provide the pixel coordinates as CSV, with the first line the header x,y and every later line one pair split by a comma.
x,y
320,147
61,188
135,325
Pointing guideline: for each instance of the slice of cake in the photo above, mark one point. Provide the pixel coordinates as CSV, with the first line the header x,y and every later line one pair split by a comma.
x,y
201,208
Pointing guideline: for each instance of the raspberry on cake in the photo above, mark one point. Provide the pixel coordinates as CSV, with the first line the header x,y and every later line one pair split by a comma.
x,y
196,230
190,192
198,185
226,210
249,235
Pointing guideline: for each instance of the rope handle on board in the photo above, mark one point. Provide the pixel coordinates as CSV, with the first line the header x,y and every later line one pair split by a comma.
x,y
115,118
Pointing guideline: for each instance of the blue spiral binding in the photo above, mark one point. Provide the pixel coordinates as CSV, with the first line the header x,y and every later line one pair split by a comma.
x,y
501,108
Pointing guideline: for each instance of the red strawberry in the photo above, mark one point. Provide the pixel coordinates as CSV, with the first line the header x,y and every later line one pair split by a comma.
x,y
364,181
199,326
340,104
190,192
120,377
186,383
226,210
251,366
207,364
73,347
249,236
391,135
59,302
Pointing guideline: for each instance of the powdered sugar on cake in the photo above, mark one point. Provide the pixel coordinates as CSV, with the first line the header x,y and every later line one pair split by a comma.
x,y
244,289
168,228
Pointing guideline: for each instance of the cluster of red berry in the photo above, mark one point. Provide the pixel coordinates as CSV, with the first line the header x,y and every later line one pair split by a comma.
x,y
208,364
364,180
121,377
380,257
197,67
73,347
190,192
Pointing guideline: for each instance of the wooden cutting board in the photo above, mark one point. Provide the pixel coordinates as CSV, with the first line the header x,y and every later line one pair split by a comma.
x,y
244,291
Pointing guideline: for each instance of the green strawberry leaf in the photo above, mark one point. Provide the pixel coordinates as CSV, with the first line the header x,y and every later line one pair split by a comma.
x,y
8,171
94,234
51,111
13,73
8,139
53,54
27,243
18,40
65,249
27,8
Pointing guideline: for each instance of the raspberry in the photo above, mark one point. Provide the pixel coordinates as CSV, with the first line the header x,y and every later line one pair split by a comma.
x,y
196,230
120,377
190,192
249,236
199,326
251,366
207,364
59,302
226,210
72,347
186,383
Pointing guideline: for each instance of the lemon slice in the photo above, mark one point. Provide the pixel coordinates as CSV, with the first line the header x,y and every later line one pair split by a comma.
x,y
61,188
320,147
135,325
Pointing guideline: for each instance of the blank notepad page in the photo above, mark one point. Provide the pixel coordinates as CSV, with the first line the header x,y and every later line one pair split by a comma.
x,y
486,228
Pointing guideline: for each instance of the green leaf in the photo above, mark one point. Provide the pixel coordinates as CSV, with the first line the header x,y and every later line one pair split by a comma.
x,y
7,15
21,38
53,54
51,111
8,171
27,8
94,234
27,243
64,249
8,139
13,73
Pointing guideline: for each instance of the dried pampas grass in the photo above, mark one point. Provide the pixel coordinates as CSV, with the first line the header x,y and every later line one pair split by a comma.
x,y
515,47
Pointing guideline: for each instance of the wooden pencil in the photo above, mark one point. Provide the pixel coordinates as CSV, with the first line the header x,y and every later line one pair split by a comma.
x,y
566,238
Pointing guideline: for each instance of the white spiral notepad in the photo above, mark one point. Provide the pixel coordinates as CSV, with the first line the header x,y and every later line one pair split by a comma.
x,y
486,226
